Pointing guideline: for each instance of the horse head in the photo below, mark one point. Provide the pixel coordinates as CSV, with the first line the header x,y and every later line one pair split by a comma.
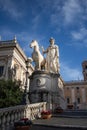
x,y
34,44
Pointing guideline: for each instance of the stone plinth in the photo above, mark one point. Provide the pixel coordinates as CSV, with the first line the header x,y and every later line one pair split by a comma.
x,y
45,87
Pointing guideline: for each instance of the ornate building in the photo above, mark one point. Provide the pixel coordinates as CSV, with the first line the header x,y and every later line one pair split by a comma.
x,y
76,91
13,62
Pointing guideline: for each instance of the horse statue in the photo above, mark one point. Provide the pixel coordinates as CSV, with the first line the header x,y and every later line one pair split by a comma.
x,y
37,56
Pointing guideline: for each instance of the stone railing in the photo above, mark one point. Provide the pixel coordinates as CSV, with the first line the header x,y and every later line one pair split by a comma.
x,y
11,114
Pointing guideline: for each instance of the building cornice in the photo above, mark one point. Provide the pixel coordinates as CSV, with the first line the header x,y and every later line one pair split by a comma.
x,y
12,44
78,82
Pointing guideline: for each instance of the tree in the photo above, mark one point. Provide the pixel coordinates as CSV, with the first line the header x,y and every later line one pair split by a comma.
x,y
10,93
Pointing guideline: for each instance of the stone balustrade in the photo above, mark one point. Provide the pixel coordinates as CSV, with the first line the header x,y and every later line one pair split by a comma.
x,y
11,114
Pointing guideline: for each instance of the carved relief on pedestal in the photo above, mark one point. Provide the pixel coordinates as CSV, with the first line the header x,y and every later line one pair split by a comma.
x,y
40,82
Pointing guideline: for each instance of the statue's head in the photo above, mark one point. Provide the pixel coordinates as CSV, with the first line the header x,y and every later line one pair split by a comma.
x,y
52,40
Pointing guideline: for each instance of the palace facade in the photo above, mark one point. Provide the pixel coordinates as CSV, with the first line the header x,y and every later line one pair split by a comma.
x,y
76,91
14,64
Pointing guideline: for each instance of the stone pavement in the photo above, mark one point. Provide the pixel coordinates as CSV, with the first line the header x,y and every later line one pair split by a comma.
x,y
68,120
60,123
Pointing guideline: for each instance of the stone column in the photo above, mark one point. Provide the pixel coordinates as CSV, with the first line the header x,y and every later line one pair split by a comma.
x,y
73,95
83,95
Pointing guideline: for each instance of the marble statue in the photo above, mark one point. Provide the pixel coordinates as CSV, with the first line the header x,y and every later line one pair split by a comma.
x,y
46,85
37,56
52,57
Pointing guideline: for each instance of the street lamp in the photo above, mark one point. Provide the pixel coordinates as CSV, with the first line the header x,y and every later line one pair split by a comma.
x,y
25,96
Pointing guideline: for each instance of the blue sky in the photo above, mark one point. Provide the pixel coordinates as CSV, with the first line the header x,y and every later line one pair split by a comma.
x,y
64,20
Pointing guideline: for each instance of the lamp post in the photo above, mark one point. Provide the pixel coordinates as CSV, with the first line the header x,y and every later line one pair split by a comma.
x,y
25,96
26,83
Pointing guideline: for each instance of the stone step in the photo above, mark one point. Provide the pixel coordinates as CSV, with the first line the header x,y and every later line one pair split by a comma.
x,y
56,127
73,113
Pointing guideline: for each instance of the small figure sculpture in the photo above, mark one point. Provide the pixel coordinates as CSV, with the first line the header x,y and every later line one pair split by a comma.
x,y
37,56
52,57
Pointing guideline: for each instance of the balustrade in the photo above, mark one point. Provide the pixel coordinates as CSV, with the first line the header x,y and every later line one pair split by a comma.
x,y
11,114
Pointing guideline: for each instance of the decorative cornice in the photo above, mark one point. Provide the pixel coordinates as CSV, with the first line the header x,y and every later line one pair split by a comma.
x,y
81,82
6,42
12,43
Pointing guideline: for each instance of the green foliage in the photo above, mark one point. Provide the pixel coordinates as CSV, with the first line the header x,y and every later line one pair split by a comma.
x,y
10,93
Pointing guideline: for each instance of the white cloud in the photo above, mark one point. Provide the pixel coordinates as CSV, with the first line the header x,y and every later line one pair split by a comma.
x,y
58,11
80,37
50,7
10,7
63,11
35,22
71,10
69,73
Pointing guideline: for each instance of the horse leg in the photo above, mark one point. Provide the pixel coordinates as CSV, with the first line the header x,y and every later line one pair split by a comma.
x,y
37,66
43,64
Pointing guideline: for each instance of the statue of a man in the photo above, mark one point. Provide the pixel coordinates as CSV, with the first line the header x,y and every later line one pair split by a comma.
x,y
52,57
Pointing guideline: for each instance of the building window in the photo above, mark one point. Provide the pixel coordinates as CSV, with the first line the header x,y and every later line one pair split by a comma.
x,y
67,88
77,88
78,100
68,100
1,70
86,67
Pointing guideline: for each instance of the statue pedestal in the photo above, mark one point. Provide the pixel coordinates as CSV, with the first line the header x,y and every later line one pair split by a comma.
x,y
46,87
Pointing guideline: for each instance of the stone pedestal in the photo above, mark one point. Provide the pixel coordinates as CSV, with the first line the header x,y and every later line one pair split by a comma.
x,y
45,87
